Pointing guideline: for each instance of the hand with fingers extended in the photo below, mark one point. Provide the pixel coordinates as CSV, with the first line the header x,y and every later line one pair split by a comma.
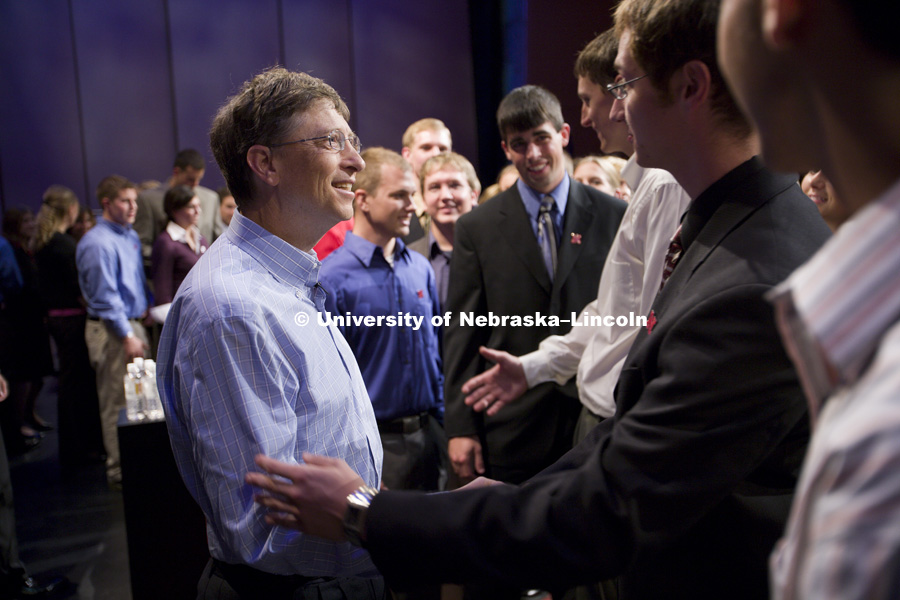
x,y
310,497
498,386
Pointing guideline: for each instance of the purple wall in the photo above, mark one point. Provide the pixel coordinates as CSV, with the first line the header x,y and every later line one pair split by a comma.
x,y
100,87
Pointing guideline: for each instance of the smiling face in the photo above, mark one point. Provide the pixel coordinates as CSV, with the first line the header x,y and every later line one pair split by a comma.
x,y
596,103
447,195
188,215
123,208
315,177
538,155
390,208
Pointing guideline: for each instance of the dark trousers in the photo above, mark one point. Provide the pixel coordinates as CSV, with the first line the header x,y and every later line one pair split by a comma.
x,y
11,569
78,409
415,453
221,581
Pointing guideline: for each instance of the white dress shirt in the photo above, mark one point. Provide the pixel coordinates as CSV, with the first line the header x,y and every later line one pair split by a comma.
x,y
629,283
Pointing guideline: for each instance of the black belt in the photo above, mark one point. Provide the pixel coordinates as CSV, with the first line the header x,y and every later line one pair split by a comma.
x,y
98,319
260,584
404,424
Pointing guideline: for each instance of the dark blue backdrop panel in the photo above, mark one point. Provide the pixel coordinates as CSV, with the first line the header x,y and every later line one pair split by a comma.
x,y
413,60
317,40
216,46
40,141
125,87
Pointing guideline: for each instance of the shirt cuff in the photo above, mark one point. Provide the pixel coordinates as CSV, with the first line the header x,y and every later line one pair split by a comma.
x,y
537,368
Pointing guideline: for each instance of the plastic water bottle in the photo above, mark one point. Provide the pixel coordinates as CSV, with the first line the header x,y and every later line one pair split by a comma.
x,y
152,402
132,397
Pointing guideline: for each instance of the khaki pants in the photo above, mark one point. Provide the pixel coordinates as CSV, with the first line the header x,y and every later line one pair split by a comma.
x,y
108,359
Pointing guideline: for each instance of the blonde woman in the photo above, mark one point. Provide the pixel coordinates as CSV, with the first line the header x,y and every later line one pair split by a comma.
x,y
78,409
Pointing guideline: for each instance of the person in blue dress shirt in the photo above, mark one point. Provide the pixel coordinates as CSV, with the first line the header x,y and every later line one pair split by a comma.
x,y
111,278
384,297
244,366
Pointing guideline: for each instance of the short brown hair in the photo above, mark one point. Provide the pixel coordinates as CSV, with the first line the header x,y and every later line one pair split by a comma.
x,y
263,112
596,61
528,107
428,124
666,34
370,178
457,162
109,187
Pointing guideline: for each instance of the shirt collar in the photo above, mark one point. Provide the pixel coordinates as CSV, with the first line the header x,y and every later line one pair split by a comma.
x,y
179,233
532,198
366,251
835,308
703,206
286,262
116,227
632,173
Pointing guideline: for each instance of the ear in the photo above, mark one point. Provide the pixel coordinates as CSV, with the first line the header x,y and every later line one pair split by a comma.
x,y
361,201
565,132
692,82
405,152
261,162
782,21
506,151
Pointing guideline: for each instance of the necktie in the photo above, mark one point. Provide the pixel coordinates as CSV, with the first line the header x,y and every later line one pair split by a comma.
x,y
673,255
547,235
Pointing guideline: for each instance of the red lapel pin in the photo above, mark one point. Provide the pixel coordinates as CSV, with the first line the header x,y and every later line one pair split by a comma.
x,y
420,293
651,321
576,238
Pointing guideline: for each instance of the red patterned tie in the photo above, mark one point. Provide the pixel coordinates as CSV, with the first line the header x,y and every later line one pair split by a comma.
x,y
673,255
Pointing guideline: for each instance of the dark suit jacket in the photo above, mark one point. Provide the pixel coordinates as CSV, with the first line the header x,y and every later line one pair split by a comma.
x,y
421,246
497,267
686,489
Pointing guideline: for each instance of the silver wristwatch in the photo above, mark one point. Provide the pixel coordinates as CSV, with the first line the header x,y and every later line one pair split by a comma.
x,y
357,506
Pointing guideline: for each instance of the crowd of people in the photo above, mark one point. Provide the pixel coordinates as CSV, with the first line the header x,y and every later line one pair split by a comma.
x,y
319,367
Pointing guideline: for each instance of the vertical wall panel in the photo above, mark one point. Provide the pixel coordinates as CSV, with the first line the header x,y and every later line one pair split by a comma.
x,y
317,40
40,141
216,46
552,46
126,90
413,60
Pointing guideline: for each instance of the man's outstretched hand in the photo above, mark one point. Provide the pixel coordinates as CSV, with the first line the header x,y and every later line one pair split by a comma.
x,y
314,497
498,386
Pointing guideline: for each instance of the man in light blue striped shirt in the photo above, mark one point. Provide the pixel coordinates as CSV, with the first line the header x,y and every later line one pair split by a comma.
x,y
244,365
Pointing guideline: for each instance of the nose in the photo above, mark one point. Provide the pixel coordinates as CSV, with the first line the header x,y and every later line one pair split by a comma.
x,y
352,159
617,111
585,116
532,151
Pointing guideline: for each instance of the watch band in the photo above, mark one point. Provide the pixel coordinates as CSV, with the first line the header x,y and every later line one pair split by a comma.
x,y
358,504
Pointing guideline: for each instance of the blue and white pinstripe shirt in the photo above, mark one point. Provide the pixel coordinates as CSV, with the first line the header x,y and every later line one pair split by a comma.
x,y
245,368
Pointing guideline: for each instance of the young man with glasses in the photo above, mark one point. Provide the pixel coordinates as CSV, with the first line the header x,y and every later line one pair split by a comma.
x,y
244,363
630,277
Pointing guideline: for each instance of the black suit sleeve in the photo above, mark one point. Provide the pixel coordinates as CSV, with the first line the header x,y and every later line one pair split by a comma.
x,y
717,409
461,358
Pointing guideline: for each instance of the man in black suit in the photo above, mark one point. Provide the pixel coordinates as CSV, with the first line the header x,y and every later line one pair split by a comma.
x,y
498,268
685,490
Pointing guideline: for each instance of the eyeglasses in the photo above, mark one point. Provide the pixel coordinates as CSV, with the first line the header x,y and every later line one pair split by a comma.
x,y
618,89
336,140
